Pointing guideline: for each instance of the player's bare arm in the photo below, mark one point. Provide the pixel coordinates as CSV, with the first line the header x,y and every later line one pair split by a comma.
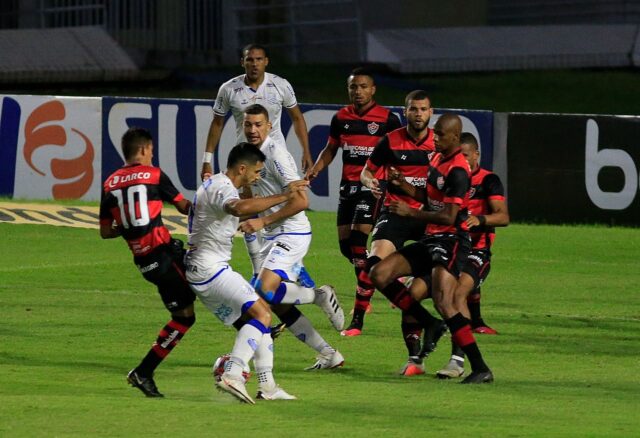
x,y
213,138
324,159
109,231
369,180
247,207
397,178
297,202
300,128
446,216
499,216
183,206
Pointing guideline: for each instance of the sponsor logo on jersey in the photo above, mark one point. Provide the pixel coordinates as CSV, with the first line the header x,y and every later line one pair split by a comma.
x,y
373,127
472,191
117,179
416,181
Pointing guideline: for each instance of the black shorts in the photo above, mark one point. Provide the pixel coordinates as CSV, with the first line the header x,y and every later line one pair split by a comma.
x,y
164,267
448,250
397,229
478,266
356,206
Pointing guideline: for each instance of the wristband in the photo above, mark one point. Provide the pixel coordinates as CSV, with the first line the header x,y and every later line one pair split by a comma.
x,y
207,157
482,220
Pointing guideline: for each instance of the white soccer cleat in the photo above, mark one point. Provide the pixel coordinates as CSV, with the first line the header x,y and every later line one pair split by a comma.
x,y
327,362
276,394
452,370
235,387
328,301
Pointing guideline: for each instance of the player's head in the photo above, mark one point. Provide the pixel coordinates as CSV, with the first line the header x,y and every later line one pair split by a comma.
x,y
244,164
137,146
417,110
470,149
446,133
254,60
256,124
361,87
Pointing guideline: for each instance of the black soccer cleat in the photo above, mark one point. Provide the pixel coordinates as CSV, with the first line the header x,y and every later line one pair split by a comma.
x,y
478,377
277,330
144,384
432,335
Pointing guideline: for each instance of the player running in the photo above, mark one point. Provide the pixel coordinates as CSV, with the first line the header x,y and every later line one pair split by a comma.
x,y
213,222
287,236
131,207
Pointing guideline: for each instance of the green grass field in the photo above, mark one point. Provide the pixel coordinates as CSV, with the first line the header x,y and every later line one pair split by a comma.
x,y
76,316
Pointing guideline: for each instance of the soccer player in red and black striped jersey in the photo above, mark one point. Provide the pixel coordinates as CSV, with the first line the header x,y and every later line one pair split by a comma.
x,y
131,207
487,210
357,129
410,150
444,249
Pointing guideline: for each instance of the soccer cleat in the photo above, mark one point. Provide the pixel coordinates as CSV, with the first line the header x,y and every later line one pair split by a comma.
x,y
327,362
412,369
485,330
351,331
478,377
452,370
144,384
432,335
277,330
304,279
235,387
276,394
328,301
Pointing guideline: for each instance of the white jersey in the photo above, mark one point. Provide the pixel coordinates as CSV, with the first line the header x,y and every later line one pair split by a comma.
x,y
278,172
211,228
273,93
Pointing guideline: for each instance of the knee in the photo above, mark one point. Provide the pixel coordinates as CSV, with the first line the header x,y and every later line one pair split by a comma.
x,y
263,313
186,321
379,276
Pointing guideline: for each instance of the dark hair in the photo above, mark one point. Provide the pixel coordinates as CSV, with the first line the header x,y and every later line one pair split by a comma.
x,y
256,109
415,95
362,71
245,153
249,47
134,139
469,138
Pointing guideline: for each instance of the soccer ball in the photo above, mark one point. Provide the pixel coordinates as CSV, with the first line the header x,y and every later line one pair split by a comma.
x,y
218,368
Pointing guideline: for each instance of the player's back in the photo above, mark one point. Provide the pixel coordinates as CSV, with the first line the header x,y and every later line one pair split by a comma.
x,y
133,196
485,185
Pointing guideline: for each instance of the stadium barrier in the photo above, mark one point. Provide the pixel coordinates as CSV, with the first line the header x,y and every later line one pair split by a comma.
x,y
54,147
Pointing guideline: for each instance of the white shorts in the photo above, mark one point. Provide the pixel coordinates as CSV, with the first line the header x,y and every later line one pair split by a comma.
x,y
283,254
226,294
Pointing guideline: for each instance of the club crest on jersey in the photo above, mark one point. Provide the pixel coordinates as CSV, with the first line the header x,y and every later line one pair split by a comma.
x,y
440,182
472,192
373,127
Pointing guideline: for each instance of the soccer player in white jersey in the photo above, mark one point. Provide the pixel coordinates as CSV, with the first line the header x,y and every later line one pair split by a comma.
x,y
270,91
287,236
213,221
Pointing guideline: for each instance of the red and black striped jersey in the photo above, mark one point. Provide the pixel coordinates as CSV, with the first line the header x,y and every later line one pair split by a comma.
x,y
485,186
399,150
133,196
358,134
448,183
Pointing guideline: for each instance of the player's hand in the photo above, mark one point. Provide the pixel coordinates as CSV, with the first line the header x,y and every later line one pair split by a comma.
x,y
400,208
311,174
307,162
396,177
472,221
206,171
297,186
251,225
374,185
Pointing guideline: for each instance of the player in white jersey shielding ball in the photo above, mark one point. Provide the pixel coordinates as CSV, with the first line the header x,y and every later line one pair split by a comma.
x,y
287,236
213,221
273,93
